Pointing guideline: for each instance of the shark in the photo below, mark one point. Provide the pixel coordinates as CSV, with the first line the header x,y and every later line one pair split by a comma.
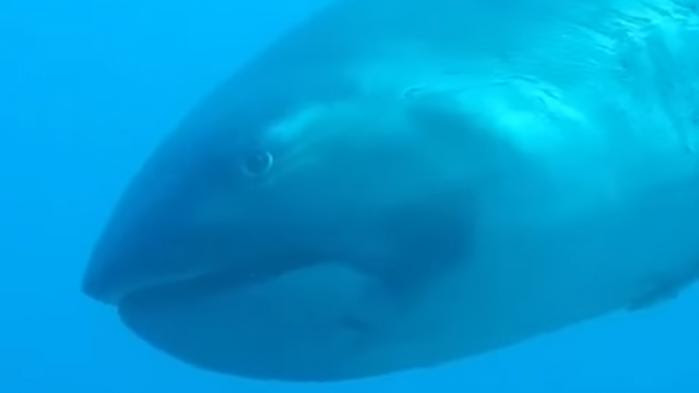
x,y
393,185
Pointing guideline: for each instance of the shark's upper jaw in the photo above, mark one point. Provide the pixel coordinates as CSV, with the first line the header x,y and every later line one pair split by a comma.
x,y
135,253
113,285
123,268
154,253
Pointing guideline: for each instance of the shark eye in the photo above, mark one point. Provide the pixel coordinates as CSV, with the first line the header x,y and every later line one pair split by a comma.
x,y
257,163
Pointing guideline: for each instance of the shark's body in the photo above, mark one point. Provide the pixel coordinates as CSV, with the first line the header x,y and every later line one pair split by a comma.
x,y
396,184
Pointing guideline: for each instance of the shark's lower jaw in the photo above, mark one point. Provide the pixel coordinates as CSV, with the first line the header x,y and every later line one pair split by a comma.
x,y
287,327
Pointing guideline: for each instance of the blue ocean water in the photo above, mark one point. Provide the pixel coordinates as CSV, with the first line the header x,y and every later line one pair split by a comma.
x,y
87,89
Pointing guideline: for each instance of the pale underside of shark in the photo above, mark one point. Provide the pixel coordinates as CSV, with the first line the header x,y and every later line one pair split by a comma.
x,y
397,184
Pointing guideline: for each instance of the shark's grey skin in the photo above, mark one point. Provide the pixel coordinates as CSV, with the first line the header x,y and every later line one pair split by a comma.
x,y
396,184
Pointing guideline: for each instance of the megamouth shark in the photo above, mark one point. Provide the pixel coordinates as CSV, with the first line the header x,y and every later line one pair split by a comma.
x,y
396,184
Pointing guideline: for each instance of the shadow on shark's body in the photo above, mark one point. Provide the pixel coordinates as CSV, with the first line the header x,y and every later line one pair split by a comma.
x,y
397,184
